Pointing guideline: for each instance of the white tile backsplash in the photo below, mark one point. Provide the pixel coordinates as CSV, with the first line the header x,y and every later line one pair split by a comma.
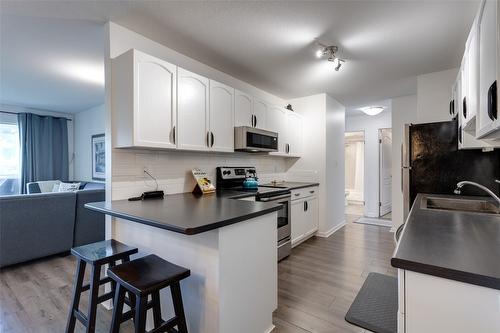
x,y
172,169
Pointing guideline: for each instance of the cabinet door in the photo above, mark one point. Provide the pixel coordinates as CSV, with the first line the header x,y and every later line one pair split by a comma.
x,y
312,215
276,122
243,109
221,117
192,111
464,89
155,102
294,133
298,221
488,58
260,109
472,75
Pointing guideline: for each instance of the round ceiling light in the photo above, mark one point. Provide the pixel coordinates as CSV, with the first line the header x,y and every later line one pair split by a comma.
x,y
372,110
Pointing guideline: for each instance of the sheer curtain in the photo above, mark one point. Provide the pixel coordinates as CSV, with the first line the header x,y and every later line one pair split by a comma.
x,y
44,148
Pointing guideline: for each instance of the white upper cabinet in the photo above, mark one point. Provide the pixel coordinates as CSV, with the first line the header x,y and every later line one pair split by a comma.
x,y
221,117
243,109
293,134
143,101
277,122
472,84
488,124
260,110
192,111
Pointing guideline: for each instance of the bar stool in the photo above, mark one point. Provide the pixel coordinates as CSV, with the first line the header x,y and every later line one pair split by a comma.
x,y
95,254
143,277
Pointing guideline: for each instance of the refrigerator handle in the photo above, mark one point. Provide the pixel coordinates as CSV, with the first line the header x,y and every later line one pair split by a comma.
x,y
402,167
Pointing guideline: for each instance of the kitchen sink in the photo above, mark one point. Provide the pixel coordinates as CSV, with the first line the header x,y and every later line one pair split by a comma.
x,y
460,204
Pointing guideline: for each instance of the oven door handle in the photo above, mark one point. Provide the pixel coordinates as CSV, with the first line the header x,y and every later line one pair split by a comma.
x,y
275,198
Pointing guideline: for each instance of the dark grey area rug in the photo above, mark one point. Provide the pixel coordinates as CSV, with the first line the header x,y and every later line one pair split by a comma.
x,y
375,307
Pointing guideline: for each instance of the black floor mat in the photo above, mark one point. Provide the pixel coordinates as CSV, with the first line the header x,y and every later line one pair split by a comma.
x,y
375,307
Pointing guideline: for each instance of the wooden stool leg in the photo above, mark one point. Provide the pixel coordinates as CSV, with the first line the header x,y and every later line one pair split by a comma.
x,y
140,313
117,309
156,309
175,289
93,296
78,282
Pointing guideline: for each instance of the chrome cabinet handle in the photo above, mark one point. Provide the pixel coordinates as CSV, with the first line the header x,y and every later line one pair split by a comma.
x,y
173,134
255,121
297,194
213,139
208,139
311,192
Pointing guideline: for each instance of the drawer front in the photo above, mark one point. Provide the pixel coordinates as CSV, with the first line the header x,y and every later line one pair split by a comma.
x,y
304,192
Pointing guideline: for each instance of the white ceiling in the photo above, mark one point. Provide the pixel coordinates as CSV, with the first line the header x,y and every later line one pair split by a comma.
x,y
268,44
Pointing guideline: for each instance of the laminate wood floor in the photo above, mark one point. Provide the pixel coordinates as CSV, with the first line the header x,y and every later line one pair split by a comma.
x,y
316,285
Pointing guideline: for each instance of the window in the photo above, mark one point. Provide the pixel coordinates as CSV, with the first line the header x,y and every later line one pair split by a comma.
x,y
9,154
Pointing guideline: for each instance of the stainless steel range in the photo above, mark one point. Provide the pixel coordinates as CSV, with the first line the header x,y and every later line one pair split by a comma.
x,y
233,178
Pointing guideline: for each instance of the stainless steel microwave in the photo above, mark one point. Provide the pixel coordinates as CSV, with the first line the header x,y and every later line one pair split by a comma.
x,y
254,140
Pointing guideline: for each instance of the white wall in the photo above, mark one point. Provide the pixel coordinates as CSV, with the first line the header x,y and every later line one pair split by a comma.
x,y
86,124
70,116
173,169
434,95
335,166
323,156
404,111
370,125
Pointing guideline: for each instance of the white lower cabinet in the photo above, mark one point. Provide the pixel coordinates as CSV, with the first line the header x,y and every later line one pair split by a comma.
x,y
436,305
304,214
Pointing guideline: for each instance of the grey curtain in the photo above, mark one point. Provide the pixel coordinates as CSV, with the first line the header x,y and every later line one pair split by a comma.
x,y
44,148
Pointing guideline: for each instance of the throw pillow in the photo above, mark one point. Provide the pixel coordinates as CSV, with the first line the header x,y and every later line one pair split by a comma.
x,y
69,187
55,188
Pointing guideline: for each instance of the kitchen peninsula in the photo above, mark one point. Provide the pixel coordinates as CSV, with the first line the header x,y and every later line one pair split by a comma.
x,y
229,246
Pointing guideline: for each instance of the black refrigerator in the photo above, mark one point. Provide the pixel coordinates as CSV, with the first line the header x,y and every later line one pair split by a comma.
x,y
432,163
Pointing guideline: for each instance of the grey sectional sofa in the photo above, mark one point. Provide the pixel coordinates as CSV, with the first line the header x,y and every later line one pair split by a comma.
x,y
38,225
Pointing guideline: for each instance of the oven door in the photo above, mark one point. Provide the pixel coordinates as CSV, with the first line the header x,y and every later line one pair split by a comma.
x,y
284,226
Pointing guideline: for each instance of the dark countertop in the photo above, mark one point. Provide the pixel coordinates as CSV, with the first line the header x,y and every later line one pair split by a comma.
x,y
455,245
186,213
293,185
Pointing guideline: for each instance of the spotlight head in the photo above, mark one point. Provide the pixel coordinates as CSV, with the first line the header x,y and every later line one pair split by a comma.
x,y
319,53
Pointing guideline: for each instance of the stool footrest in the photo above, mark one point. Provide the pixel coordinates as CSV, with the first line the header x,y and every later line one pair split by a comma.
x,y
81,317
166,326
105,280
105,297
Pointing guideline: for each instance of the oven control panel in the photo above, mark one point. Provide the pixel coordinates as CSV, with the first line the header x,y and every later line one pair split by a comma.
x,y
236,172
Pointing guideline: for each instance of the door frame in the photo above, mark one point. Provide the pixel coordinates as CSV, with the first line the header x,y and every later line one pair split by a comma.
x,y
380,169
364,165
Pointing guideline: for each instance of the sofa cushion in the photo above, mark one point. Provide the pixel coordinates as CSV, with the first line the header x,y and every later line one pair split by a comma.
x,y
35,225
89,225
69,187
93,186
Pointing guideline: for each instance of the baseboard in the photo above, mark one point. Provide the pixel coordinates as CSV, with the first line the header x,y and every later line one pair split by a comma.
x,y
328,233
270,329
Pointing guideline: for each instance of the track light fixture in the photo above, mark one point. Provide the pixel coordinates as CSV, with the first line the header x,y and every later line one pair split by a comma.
x,y
330,52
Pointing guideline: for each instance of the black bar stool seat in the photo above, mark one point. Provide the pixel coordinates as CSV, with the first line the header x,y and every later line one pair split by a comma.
x,y
96,255
143,277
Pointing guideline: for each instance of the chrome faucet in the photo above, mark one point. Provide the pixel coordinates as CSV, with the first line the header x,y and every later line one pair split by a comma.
x,y
484,188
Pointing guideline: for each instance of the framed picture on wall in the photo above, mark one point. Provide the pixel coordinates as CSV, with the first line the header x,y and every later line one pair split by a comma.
x,y
98,157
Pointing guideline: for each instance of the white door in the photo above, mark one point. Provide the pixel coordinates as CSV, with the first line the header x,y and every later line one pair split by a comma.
x,y
260,109
276,122
192,111
297,215
312,217
243,109
385,170
155,102
294,133
221,117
